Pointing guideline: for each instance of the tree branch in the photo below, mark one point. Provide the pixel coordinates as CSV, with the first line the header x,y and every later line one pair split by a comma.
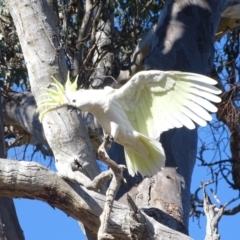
x,y
111,193
82,35
33,181
9,225
212,216
19,111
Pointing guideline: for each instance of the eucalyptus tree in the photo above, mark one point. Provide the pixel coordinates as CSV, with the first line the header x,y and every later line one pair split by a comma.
x,y
105,43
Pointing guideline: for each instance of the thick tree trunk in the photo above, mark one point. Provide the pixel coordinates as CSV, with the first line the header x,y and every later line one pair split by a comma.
x,y
44,55
183,39
9,226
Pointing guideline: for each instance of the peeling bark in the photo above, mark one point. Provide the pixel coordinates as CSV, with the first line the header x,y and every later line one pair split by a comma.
x,y
32,180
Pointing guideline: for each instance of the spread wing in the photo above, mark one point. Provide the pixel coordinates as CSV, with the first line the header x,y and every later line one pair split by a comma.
x,y
156,101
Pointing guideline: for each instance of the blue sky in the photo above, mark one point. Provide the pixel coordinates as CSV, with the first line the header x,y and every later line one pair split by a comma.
x,y
40,221
229,225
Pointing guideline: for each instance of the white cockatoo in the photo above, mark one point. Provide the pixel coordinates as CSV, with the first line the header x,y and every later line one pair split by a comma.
x,y
135,115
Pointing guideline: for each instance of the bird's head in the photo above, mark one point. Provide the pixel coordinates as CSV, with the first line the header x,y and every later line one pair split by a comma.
x,y
58,97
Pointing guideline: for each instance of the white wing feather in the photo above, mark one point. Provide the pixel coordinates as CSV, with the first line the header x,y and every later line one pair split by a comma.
x,y
156,101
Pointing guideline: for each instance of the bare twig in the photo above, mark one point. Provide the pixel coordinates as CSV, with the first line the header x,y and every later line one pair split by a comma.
x,y
86,22
112,190
196,202
203,163
82,35
95,23
232,211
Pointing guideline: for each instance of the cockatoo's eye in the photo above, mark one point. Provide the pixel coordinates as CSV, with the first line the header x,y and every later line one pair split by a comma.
x,y
73,100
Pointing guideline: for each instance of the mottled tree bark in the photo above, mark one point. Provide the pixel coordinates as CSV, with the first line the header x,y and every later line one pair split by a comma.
x,y
44,55
184,38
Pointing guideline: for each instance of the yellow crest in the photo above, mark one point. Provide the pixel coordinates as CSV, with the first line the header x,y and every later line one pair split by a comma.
x,y
56,97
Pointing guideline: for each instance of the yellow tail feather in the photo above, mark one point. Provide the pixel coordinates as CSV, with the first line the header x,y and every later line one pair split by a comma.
x,y
145,166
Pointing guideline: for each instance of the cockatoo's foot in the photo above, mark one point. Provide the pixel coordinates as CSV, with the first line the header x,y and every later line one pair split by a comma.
x,y
108,138
107,141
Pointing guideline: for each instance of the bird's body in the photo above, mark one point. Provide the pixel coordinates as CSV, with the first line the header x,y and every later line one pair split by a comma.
x,y
135,115
115,122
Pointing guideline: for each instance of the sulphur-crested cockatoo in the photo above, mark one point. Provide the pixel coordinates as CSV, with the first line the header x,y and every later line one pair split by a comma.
x,y
135,115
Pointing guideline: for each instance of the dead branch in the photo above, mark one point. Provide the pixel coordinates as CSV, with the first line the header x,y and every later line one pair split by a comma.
x,y
31,180
212,216
112,189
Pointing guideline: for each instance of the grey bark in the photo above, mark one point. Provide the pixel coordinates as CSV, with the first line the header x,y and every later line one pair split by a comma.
x,y
184,38
19,111
44,56
32,180
106,64
9,225
2,142
212,216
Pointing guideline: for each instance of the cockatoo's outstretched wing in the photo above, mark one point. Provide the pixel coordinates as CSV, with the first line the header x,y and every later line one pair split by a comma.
x,y
156,101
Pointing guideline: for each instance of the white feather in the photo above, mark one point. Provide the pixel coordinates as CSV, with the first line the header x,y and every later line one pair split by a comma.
x,y
194,117
209,96
150,103
199,111
204,103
